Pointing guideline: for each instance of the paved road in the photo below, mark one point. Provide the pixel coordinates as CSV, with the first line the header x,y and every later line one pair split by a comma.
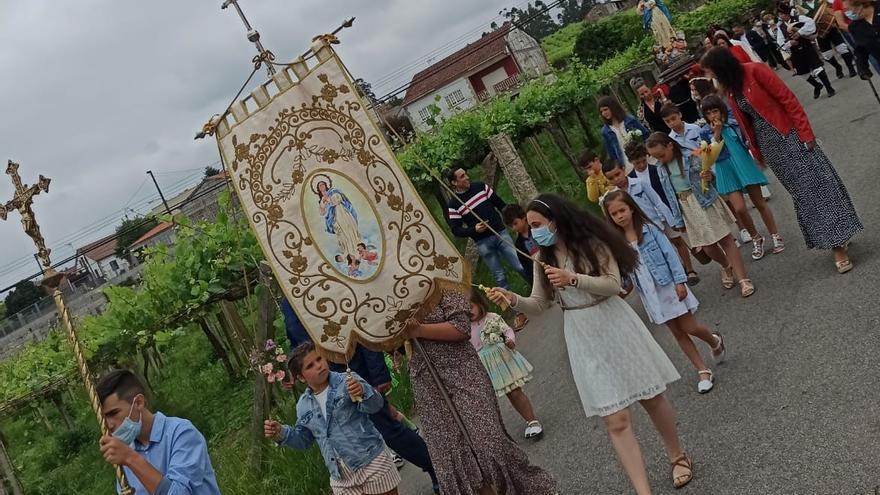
x,y
795,409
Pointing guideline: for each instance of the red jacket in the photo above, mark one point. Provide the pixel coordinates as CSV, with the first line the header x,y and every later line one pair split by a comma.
x,y
772,99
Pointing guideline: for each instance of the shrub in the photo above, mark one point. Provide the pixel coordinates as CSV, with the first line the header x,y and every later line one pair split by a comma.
x,y
603,40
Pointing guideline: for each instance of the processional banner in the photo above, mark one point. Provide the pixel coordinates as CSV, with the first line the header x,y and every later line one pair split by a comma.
x,y
352,245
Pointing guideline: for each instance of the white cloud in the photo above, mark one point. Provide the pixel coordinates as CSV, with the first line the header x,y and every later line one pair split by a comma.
x,y
96,92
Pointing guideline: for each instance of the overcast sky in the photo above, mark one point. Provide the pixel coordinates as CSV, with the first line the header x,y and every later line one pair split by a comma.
x,y
96,92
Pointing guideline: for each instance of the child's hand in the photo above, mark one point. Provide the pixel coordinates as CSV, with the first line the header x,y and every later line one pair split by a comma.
x,y
707,176
480,227
272,430
717,126
355,389
384,388
510,344
681,291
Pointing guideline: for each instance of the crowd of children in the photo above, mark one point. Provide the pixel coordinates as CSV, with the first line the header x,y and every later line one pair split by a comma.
x,y
662,207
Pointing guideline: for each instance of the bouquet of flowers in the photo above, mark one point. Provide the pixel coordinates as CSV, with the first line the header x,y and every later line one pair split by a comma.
x,y
270,361
708,154
492,332
632,135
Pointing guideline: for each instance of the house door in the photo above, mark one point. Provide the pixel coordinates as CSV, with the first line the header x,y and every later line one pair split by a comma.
x,y
493,78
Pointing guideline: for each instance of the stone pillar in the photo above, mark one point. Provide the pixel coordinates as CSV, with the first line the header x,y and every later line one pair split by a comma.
x,y
512,167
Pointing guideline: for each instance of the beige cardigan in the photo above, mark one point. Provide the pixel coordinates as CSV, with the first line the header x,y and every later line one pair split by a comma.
x,y
605,285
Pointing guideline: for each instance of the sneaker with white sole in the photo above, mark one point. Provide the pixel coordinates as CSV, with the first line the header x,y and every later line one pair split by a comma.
x,y
534,430
706,384
744,235
758,248
778,245
398,461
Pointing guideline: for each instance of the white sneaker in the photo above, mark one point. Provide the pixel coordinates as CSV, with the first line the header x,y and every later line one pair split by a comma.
x,y
534,429
744,235
398,461
706,385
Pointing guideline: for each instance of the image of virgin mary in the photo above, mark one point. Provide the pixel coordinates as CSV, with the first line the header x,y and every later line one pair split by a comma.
x,y
340,218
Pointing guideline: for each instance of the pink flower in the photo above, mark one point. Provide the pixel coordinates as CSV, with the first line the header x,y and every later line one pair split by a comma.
x,y
270,378
279,375
267,368
280,358
270,345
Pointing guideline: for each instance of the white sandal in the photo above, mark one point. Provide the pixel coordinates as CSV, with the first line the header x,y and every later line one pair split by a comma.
x,y
719,350
706,385
534,429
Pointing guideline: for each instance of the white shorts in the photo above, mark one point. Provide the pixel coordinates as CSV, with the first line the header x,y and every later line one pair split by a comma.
x,y
379,476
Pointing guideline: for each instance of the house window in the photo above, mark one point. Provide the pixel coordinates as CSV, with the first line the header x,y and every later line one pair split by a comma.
x,y
114,265
455,98
425,114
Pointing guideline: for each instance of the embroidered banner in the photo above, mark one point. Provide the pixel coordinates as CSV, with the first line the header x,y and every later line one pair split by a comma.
x,y
350,241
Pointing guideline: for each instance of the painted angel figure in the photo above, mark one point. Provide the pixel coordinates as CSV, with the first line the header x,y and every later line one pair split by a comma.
x,y
340,218
656,17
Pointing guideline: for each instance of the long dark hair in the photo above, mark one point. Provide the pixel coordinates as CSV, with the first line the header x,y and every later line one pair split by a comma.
x,y
479,299
727,69
662,139
617,111
584,235
639,219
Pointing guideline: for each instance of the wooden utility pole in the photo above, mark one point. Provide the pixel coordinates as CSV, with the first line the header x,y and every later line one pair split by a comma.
x,y
7,472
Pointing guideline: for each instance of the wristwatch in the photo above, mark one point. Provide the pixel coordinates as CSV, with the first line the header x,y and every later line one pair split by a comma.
x,y
574,281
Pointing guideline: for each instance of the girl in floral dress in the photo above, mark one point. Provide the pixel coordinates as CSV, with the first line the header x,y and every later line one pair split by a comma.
x,y
508,370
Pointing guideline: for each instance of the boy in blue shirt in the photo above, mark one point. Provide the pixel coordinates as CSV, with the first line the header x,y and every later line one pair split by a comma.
x,y
161,455
335,412
685,134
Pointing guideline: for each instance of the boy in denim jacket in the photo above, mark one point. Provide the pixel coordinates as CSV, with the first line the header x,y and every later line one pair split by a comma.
x,y
334,412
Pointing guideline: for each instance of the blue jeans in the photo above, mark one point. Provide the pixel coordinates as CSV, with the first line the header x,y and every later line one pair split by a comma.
x,y
492,249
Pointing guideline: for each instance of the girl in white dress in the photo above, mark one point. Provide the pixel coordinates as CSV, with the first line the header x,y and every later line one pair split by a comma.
x,y
614,359
661,283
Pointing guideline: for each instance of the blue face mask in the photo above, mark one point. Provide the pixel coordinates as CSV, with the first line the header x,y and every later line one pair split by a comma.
x,y
129,430
543,236
851,15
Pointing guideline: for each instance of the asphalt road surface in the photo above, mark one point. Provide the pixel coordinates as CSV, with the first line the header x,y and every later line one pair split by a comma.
x,y
795,407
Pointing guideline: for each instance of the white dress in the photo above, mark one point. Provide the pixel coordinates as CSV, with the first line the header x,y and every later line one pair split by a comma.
x,y
614,359
661,302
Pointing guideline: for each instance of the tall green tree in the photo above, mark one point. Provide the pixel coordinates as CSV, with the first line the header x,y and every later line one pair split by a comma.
x,y
571,11
211,171
23,295
129,230
534,19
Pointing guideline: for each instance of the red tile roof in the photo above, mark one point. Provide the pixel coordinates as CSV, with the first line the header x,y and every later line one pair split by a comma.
x,y
458,64
100,249
158,229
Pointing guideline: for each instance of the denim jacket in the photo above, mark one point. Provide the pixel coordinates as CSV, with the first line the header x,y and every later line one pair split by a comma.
x,y
613,147
651,204
661,258
346,434
692,169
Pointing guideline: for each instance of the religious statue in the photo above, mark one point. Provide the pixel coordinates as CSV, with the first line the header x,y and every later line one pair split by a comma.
x,y
23,201
656,17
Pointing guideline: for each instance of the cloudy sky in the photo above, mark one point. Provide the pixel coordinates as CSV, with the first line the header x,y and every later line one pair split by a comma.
x,y
96,92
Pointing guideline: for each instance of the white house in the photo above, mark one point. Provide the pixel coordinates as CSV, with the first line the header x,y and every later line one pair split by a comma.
x,y
496,63
100,258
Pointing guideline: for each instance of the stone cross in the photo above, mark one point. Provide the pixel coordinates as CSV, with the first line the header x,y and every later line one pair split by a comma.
x,y
23,201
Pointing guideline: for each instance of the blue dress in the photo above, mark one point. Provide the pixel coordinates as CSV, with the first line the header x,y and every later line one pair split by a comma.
x,y
735,169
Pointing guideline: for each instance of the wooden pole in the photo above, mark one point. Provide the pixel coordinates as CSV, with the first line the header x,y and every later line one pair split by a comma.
x,y
7,472
265,320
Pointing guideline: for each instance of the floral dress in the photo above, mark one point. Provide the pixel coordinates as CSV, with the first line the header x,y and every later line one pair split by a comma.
x,y
501,460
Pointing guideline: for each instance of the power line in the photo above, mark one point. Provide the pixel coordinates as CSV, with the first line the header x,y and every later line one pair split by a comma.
x,y
382,81
467,51
128,230
89,229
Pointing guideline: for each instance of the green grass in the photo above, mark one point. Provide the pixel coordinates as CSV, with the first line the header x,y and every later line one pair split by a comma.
x,y
559,46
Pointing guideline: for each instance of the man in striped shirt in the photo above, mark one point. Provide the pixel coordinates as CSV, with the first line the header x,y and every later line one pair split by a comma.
x,y
471,213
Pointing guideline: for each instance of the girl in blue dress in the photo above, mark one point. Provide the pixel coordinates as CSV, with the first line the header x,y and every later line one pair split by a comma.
x,y
736,172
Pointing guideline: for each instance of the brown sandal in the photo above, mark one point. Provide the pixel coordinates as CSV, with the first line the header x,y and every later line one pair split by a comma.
x,y
684,462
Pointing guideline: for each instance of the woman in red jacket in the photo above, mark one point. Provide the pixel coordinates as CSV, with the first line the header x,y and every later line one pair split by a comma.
x,y
780,136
